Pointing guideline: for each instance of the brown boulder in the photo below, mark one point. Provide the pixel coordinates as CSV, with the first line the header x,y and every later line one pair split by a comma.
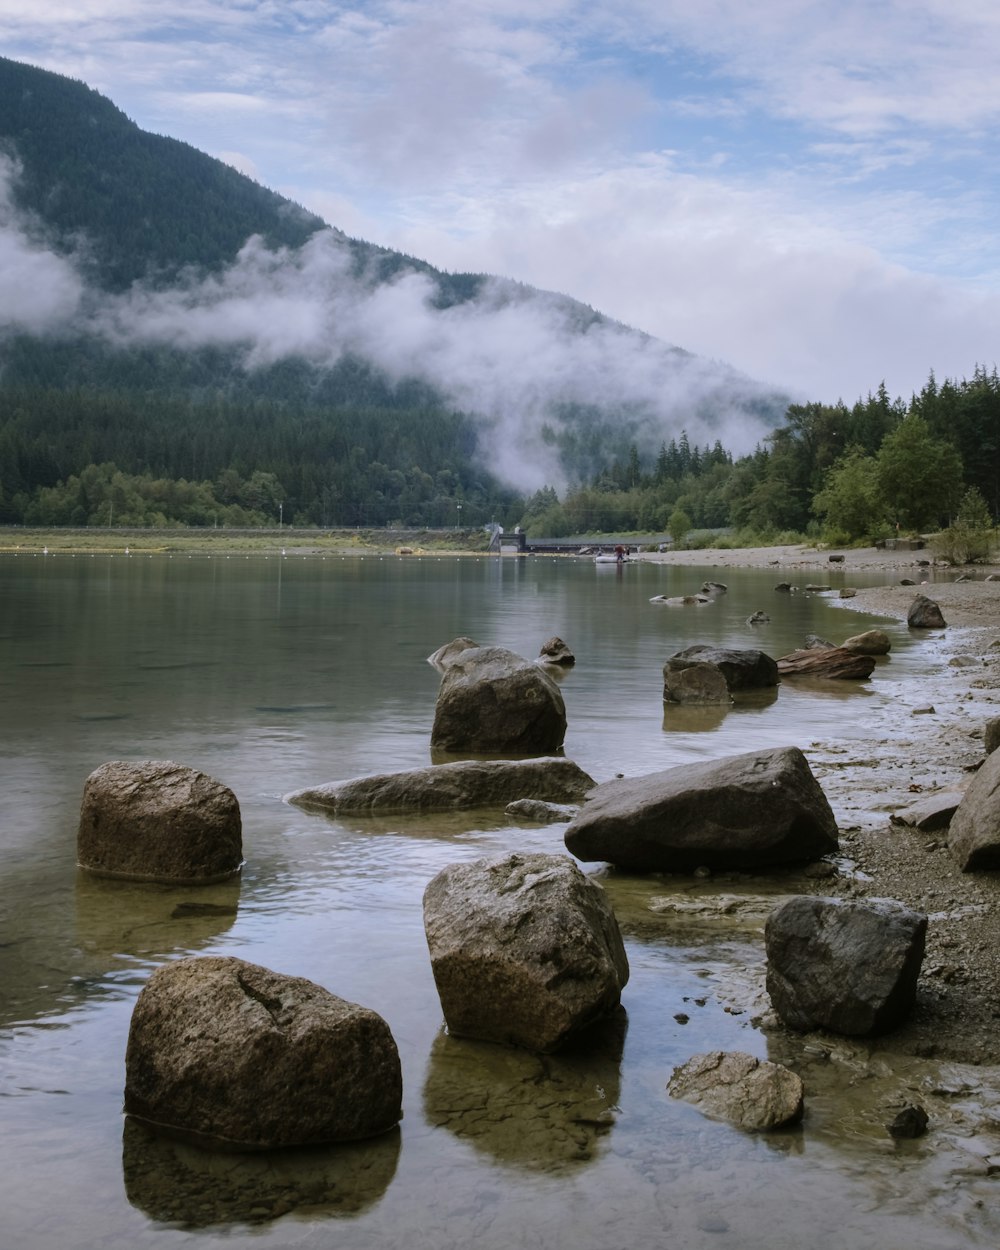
x,y
159,821
229,1054
871,642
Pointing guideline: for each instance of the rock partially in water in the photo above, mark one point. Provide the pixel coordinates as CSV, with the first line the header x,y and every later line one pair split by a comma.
x,y
451,787
974,835
695,682
525,949
555,651
749,1092
745,812
871,642
231,1055
850,967
909,1123
924,613
742,669
494,701
159,821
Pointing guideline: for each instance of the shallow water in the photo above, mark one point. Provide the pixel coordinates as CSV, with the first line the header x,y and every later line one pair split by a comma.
x,y
274,674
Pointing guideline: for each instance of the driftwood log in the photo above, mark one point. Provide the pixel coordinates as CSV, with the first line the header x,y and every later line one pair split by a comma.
x,y
833,662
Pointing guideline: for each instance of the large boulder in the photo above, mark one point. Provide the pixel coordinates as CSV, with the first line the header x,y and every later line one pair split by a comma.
x,y
230,1054
974,834
492,701
730,1085
525,949
159,821
924,613
744,812
742,669
848,967
991,735
830,662
871,642
451,787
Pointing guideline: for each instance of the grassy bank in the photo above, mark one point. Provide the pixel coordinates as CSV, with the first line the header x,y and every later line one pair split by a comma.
x,y
21,540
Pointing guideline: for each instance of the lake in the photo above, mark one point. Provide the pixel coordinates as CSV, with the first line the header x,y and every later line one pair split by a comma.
x,y
275,673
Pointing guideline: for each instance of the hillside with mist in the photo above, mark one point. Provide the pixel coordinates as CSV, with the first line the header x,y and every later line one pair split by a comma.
x,y
167,316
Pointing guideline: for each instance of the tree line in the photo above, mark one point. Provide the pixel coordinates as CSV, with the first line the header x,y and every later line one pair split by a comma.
x,y
92,455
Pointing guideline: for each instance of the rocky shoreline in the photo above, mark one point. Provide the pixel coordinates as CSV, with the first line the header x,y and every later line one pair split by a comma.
x,y
934,743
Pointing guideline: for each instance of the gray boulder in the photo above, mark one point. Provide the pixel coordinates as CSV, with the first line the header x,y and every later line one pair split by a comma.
x,y
974,834
714,588
848,967
451,787
229,1054
815,643
443,657
159,821
924,613
525,949
743,670
744,812
492,701
871,642
752,1093
991,735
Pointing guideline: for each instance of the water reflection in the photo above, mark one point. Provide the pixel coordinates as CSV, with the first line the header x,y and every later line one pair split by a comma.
x,y
545,1113
146,919
176,1183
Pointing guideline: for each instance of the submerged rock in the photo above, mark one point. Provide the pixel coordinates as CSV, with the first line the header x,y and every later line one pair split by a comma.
x,y
850,967
494,701
232,1055
745,812
539,812
451,787
159,821
752,1093
525,949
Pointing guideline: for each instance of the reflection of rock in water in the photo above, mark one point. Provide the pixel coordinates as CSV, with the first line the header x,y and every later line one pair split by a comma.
x,y
181,1184
139,918
543,1112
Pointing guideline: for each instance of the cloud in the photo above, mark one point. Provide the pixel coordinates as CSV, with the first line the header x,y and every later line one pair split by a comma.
x,y
512,357
41,290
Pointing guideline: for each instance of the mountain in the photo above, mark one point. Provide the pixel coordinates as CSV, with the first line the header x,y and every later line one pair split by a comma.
x,y
169,314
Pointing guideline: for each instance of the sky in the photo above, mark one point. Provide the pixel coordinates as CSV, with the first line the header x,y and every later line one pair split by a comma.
x,y
806,191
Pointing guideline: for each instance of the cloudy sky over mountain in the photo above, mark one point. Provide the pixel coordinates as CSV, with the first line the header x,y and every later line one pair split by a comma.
x,y
805,190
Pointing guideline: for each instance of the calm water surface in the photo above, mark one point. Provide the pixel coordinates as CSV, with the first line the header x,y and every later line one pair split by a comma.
x,y
273,674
